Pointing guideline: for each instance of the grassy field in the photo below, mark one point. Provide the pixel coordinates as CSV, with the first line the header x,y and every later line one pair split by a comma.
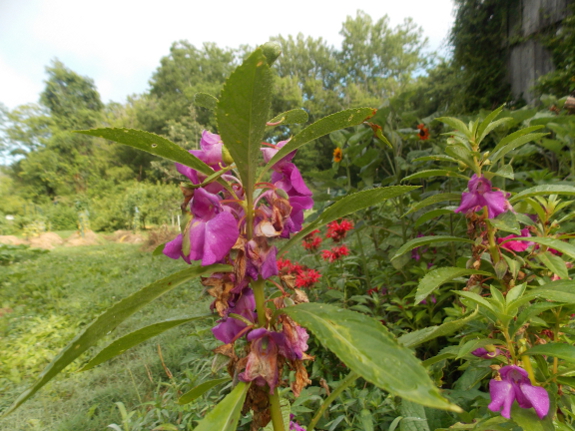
x,y
44,302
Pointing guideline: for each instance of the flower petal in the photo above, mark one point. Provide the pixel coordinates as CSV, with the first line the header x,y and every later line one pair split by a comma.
x,y
502,395
538,397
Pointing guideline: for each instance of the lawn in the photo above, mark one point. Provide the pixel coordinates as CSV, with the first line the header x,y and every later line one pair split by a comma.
x,y
44,302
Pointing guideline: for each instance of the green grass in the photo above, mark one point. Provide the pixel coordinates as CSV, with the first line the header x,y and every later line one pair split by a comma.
x,y
54,296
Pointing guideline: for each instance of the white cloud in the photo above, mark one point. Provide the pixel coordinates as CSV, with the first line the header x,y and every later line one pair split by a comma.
x,y
17,88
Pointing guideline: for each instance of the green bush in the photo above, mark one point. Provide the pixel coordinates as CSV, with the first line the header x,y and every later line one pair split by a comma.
x,y
62,217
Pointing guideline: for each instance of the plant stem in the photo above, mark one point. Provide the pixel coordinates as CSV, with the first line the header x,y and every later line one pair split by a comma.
x,y
510,345
258,288
343,385
527,365
276,411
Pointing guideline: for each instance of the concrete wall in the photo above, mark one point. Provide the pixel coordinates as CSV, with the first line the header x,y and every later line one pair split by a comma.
x,y
528,59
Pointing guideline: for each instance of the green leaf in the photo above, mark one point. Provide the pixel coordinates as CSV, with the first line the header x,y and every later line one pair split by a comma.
x,y
435,173
119,346
110,319
435,278
559,291
159,250
544,190
513,145
457,125
414,418
424,240
242,113
331,123
506,171
532,310
200,390
151,143
348,205
367,348
431,215
271,50
477,299
511,137
506,222
295,116
557,350
204,100
482,130
433,199
461,153
415,338
225,415
528,420
563,247
472,345
554,264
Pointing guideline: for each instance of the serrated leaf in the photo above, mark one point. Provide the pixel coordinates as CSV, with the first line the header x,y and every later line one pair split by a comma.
x,y
506,222
367,348
119,346
557,350
110,319
506,171
414,418
331,123
435,278
434,199
415,338
563,247
348,205
513,145
242,112
511,137
544,190
560,291
151,143
456,124
554,264
435,173
435,157
477,299
461,153
204,100
295,116
226,414
424,240
200,390
482,131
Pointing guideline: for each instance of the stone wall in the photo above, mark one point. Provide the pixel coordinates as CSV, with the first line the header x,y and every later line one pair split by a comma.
x,y
528,59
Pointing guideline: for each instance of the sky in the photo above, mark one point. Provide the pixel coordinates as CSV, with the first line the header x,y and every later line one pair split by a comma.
x,y
119,43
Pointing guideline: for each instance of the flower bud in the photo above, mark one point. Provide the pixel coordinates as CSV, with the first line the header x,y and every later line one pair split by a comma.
x,y
226,156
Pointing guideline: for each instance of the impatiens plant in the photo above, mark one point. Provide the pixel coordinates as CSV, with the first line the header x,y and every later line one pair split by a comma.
x,y
237,218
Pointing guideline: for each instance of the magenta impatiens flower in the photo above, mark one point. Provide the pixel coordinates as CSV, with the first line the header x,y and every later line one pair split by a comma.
x,y
517,246
481,195
515,385
212,231
486,354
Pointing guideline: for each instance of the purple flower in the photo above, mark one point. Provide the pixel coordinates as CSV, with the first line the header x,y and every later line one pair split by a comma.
x,y
486,354
262,363
289,179
293,425
293,343
261,259
481,195
516,245
269,152
432,298
212,231
211,153
515,385
228,328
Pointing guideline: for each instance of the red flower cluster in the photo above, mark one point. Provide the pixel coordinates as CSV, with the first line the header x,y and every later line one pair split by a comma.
x,y
304,277
337,231
335,253
311,242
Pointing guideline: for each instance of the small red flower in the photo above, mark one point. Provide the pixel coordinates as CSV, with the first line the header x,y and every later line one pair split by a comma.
x,y
307,278
337,231
335,253
312,242
423,132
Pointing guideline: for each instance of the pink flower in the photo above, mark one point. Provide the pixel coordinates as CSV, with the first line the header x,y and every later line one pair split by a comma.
x,y
515,385
480,195
516,246
486,354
